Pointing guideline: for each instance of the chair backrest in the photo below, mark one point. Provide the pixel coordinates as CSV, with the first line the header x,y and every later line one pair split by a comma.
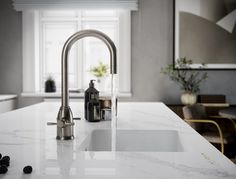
x,y
196,111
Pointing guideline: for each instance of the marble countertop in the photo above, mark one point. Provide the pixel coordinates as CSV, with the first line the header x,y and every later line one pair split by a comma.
x,y
6,97
26,138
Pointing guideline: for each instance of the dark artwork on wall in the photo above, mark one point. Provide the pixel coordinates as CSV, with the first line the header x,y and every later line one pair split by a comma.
x,y
205,32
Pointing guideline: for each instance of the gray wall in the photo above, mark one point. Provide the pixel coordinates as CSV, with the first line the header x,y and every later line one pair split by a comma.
x,y
10,49
152,47
11,53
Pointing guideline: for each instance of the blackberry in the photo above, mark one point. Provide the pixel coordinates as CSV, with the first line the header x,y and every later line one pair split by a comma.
x,y
4,162
27,169
3,169
7,158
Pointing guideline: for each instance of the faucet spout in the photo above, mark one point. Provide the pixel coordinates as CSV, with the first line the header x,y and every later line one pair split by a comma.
x,y
65,122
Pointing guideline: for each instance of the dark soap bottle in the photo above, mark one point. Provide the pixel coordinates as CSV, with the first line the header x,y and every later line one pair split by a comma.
x,y
90,93
93,110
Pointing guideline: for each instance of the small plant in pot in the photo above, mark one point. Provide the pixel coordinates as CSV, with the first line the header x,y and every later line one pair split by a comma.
x,y
50,85
100,72
189,80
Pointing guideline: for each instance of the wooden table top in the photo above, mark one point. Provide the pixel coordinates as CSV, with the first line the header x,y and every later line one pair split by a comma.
x,y
228,113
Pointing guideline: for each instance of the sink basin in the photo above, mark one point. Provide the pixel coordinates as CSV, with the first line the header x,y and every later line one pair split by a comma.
x,y
133,140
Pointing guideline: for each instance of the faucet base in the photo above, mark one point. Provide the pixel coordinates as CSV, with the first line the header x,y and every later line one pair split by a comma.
x,y
65,124
65,137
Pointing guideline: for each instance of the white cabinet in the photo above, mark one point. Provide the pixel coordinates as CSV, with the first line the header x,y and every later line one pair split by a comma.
x,y
7,103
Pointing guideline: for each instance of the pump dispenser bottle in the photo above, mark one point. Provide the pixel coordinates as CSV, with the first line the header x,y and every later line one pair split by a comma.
x,y
93,110
91,103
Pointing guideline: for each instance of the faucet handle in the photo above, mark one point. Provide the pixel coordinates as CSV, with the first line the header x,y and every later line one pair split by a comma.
x,y
61,124
51,123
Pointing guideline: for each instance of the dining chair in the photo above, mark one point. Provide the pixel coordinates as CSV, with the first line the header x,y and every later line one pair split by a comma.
x,y
214,129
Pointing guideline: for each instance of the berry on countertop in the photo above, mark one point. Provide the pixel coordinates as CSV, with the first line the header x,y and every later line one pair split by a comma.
x,y
4,162
6,158
27,169
3,169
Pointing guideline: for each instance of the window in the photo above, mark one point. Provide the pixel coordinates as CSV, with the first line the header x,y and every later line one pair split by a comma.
x,y
45,32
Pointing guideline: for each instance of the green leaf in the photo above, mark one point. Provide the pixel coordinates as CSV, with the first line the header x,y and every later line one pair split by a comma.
x,y
99,71
187,78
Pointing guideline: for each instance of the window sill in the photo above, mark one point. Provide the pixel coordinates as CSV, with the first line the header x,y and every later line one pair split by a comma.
x,y
72,95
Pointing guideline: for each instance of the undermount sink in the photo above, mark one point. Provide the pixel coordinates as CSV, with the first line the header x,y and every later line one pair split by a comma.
x,y
133,140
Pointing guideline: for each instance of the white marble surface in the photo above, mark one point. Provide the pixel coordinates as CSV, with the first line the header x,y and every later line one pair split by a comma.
x,y
5,97
26,138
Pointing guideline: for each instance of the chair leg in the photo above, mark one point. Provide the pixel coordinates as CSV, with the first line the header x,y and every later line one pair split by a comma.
x,y
221,138
233,123
212,122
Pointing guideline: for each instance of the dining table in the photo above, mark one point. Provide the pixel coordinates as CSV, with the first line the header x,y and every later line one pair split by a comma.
x,y
229,113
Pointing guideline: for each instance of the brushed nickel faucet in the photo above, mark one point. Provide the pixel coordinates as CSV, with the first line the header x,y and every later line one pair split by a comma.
x,y
65,123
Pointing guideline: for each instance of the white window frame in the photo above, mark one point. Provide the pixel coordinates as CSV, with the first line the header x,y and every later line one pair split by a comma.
x,y
31,53
42,25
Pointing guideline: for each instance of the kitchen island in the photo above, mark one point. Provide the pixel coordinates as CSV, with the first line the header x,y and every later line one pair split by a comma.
x,y
26,138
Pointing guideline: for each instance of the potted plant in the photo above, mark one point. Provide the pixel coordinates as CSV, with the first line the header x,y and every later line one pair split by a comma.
x,y
50,85
189,80
100,72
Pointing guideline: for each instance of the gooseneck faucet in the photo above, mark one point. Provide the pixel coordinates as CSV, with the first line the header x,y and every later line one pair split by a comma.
x,y
65,124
